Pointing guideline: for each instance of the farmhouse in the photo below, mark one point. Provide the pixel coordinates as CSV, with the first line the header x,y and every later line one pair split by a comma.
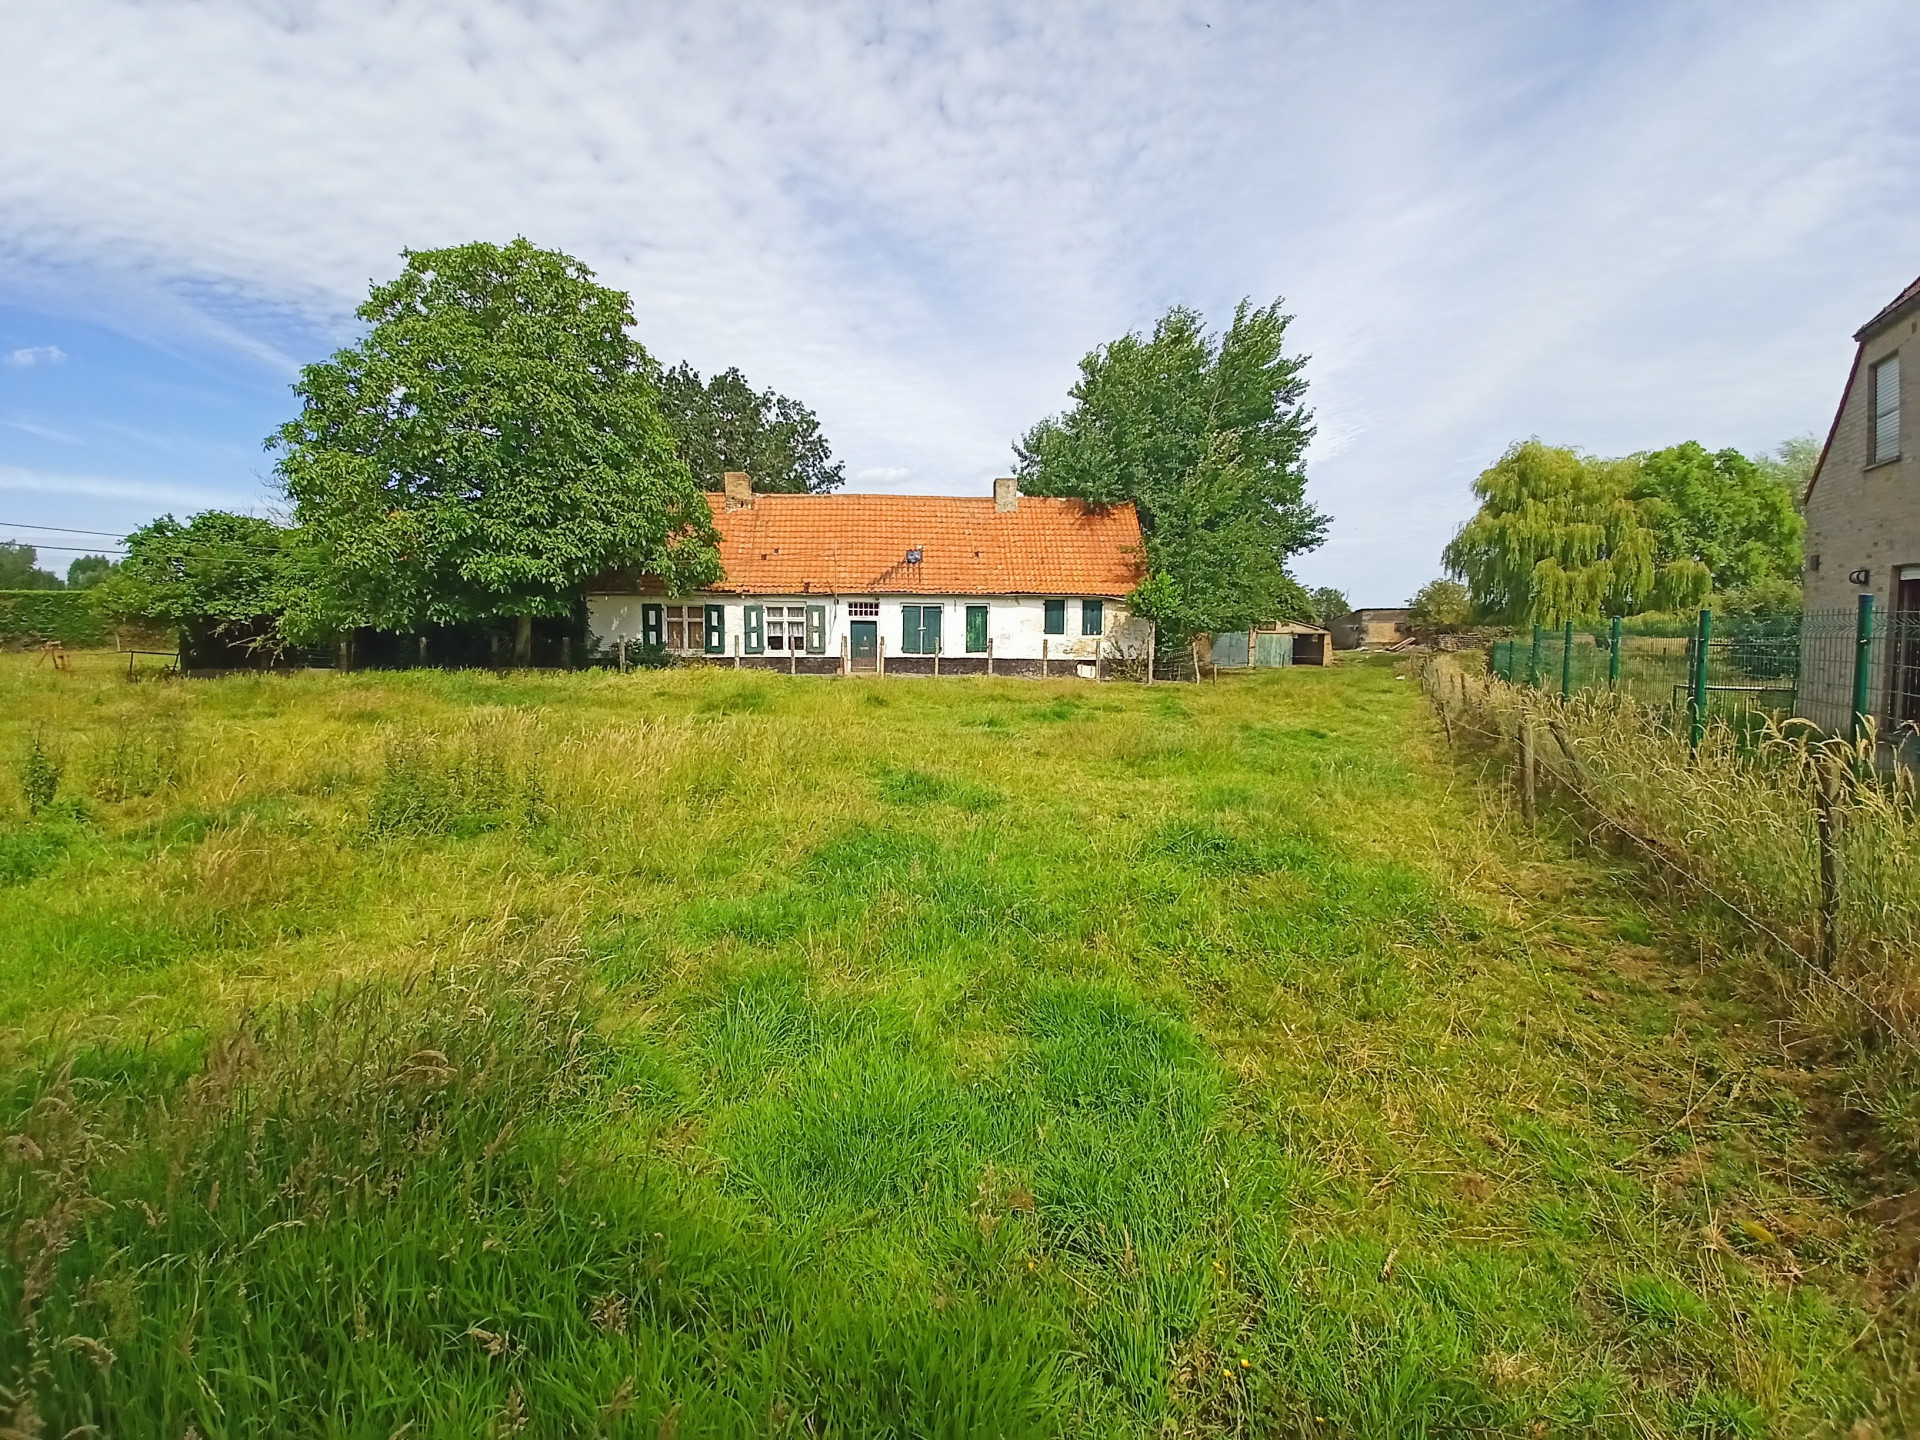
x,y
916,584
1863,527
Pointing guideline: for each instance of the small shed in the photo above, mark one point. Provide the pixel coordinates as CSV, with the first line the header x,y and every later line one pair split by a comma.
x,y
1277,643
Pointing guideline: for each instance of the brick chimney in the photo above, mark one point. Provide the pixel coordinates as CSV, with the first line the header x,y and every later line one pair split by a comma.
x,y
739,490
1006,495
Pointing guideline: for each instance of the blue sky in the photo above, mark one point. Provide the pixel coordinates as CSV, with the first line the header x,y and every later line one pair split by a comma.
x,y
1611,225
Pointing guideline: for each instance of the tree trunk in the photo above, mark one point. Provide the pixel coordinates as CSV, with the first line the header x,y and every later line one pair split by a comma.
x,y
523,640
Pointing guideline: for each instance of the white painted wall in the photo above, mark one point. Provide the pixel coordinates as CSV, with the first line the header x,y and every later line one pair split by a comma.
x,y
1016,624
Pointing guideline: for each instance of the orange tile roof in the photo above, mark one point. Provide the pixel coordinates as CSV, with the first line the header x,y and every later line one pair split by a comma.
x,y
858,544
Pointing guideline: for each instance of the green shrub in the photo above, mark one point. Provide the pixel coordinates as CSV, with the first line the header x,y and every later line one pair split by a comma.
x,y
33,617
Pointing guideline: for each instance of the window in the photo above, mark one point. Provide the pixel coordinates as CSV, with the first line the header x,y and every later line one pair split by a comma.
x,y
976,629
786,629
920,629
687,628
1886,410
1056,617
1093,615
863,609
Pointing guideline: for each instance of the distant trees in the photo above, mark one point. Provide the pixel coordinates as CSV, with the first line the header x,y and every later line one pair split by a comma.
x,y
1563,536
1326,604
20,569
1724,511
724,424
1440,607
223,581
1207,437
88,571
493,442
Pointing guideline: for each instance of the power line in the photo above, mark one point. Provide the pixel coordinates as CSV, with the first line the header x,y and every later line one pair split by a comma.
x,y
67,549
62,529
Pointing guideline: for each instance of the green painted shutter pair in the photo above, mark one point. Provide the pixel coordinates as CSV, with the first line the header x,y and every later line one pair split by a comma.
x,y
716,630
920,629
753,626
653,624
1056,617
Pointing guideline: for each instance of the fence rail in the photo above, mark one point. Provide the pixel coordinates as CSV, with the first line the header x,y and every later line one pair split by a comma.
x,y
1851,672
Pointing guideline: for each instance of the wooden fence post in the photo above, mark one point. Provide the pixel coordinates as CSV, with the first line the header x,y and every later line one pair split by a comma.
x,y
1526,765
1826,803
1152,631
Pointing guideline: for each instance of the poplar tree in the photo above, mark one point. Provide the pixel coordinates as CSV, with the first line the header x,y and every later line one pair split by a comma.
x,y
1559,537
1207,437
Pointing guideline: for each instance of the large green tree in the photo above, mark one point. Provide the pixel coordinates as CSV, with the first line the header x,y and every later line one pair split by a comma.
x,y
725,424
1722,510
492,443
1558,536
1207,437
223,581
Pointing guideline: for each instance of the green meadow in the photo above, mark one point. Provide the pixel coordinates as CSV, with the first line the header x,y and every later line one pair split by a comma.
x,y
693,1053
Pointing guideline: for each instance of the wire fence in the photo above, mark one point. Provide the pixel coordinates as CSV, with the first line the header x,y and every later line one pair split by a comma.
x,y
1847,672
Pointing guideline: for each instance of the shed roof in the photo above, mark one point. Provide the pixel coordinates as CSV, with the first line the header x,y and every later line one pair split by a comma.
x,y
858,545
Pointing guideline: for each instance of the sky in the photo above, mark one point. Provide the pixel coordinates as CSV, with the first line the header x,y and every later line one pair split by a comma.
x,y
1613,225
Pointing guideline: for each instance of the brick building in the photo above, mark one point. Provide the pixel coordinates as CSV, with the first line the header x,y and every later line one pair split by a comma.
x,y
1863,525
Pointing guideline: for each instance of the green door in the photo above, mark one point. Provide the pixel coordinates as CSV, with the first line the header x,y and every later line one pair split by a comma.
x,y
976,629
1271,650
864,648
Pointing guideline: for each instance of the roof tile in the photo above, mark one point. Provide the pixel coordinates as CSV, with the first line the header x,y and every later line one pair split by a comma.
x,y
858,545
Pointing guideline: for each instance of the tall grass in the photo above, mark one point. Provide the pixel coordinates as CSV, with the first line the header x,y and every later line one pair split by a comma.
x,y
701,1054
1739,813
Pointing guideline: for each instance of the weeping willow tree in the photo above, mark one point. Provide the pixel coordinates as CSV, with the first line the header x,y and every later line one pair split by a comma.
x,y
1559,537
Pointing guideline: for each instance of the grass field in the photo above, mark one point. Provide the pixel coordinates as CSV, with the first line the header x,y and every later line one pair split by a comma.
x,y
692,1054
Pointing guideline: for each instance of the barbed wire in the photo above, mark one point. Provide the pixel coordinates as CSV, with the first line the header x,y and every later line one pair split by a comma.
x,y
1818,972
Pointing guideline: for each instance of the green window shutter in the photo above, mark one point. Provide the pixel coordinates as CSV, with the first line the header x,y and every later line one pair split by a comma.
x,y
976,629
753,628
716,630
1092,616
909,629
1056,617
653,626
930,616
816,629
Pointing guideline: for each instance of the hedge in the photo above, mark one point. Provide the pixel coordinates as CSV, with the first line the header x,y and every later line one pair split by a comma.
x,y
33,617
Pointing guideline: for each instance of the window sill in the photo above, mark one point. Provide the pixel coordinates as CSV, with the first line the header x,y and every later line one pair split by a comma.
x,y
1882,464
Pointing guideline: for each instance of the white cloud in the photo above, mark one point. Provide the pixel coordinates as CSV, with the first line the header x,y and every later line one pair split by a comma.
x,y
156,493
32,355
1612,225
41,432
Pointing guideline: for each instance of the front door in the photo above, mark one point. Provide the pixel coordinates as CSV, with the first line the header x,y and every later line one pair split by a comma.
x,y
864,643
1906,646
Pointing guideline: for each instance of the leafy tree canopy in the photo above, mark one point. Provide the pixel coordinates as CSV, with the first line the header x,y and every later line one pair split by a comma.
x,y
1440,607
1558,537
88,571
1326,604
1791,465
220,579
491,444
724,424
1722,510
19,569
1207,437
